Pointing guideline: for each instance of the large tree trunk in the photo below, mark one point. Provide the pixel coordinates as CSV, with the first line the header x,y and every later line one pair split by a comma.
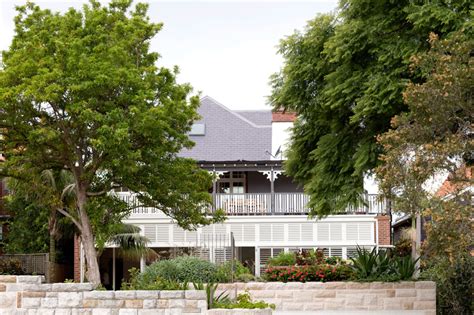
x,y
93,272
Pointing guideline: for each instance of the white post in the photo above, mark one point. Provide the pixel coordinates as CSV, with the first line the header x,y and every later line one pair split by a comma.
x,y
142,264
418,243
113,268
81,262
257,261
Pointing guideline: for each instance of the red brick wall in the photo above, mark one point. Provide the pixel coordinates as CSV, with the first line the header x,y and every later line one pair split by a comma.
x,y
384,229
77,260
283,117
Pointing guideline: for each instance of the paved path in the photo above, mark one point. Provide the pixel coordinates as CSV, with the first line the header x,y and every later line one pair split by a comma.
x,y
348,312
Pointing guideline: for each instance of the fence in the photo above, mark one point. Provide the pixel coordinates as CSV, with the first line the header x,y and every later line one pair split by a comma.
x,y
32,264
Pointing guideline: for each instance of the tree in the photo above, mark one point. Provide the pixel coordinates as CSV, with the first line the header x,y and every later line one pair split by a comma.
x,y
436,137
81,91
344,76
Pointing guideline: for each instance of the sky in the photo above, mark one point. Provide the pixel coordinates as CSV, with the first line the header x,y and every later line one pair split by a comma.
x,y
224,49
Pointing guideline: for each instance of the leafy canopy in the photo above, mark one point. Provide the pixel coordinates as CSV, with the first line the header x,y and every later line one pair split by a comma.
x,y
344,76
81,91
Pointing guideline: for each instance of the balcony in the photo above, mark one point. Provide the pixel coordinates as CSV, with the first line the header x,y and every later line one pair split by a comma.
x,y
262,204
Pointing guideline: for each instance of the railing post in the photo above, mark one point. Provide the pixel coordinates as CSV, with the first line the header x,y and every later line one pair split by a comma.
x,y
272,191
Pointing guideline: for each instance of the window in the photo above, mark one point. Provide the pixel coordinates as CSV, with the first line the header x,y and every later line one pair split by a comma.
x,y
198,130
231,183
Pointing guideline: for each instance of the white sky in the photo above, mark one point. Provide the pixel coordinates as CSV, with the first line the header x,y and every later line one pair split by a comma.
x,y
225,49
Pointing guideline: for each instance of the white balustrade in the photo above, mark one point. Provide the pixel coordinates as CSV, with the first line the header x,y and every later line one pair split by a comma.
x,y
261,204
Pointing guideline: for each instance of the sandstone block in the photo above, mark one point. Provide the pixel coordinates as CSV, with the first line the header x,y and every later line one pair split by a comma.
x,y
195,295
136,303
104,311
7,279
313,306
30,279
30,302
357,285
285,294
33,294
260,294
405,293
149,303
171,294
292,306
144,294
37,287
334,304
334,285
422,285
99,295
63,311
128,312
151,312
69,299
49,302
7,300
324,294
71,287
424,305
162,304
381,285
404,285
88,303
177,303
126,295
426,295
110,303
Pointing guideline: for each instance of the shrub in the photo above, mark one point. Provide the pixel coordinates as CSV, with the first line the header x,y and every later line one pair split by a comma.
x,y
10,266
136,282
323,272
243,301
283,259
380,266
181,269
454,283
403,247
224,271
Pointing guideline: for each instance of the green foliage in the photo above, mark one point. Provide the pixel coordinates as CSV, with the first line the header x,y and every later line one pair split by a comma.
x,y
10,266
224,271
305,273
454,283
403,247
243,300
158,283
344,75
405,267
185,268
28,230
81,91
283,259
210,289
381,266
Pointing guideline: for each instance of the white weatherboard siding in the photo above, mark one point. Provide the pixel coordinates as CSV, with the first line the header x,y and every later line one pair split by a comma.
x,y
281,134
266,231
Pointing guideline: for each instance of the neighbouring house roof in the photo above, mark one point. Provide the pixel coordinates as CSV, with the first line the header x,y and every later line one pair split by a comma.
x,y
449,186
231,135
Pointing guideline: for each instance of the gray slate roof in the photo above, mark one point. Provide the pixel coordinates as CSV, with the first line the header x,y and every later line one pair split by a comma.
x,y
231,135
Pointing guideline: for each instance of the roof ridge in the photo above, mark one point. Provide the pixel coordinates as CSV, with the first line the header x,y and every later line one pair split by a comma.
x,y
234,113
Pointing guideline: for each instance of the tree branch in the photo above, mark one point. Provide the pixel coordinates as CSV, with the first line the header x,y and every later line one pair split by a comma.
x,y
68,215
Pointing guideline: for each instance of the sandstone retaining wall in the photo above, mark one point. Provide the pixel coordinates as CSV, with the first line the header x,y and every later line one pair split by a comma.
x,y
317,296
27,295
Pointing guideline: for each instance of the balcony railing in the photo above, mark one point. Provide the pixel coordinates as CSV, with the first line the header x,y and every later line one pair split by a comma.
x,y
264,204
